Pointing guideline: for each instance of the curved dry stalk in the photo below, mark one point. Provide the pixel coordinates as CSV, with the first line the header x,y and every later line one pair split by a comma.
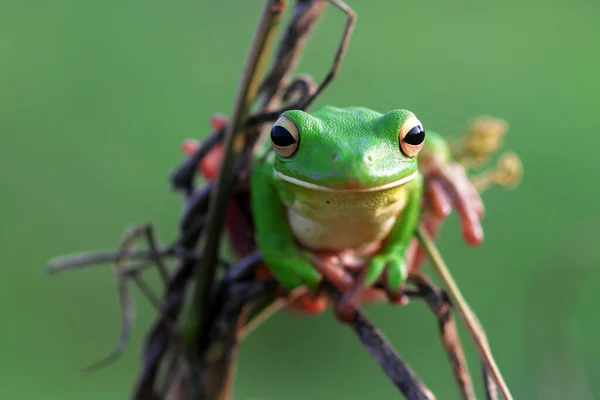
x,y
340,52
126,305
123,275
88,259
160,336
396,369
440,305
468,317
264,311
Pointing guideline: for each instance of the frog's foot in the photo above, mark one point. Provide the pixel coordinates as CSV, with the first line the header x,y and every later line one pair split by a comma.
x,y
331,268
391,269
292,269
395,294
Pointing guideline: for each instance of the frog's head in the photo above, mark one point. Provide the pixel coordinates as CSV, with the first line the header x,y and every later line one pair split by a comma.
x,y
347,148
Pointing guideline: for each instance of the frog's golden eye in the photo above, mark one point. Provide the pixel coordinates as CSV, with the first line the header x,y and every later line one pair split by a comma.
x,y
412,136
285,137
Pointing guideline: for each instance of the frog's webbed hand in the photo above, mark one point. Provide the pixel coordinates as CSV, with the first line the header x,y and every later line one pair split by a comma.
x,y
274,236
388,269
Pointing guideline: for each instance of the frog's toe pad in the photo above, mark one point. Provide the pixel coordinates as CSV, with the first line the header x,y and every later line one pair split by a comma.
x,y
396,273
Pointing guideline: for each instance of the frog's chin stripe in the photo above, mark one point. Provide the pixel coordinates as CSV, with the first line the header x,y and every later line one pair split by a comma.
x,y
314,186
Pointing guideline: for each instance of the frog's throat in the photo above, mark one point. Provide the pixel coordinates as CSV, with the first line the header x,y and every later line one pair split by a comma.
x,y
314,186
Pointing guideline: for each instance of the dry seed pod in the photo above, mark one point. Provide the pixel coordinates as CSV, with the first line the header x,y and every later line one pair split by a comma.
x,y
509,170
507,173
482,139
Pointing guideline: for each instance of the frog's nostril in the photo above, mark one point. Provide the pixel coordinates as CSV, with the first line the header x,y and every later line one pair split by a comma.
x,y
368,158
334,157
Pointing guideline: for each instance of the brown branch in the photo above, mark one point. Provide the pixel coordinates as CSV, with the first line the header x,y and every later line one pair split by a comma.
x,y
440,305
379,348
467,315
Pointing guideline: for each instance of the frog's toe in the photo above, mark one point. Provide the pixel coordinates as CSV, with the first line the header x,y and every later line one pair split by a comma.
x,y
397,272
310,278
395,277
374,270
289,281
298,272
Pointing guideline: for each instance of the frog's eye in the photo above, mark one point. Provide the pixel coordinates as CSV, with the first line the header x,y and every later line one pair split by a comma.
x,y
412,136
285,137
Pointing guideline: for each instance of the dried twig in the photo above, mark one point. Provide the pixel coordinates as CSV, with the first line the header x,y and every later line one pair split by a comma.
x,y
440,305
126,305
89,259
464,310
379,348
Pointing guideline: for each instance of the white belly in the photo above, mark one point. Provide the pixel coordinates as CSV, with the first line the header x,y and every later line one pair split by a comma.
x,y
345,220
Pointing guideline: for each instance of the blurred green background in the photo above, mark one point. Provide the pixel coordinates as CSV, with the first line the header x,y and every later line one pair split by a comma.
x,y
96,97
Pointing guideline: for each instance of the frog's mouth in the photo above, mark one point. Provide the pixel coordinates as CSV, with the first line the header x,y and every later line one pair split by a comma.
x,y
314,186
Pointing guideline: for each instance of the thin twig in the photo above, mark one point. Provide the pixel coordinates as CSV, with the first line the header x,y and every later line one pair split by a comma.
x,y
88,259
304,19
379,348
440,305
267,310
154,250
340,52
159,336
464,310
126,305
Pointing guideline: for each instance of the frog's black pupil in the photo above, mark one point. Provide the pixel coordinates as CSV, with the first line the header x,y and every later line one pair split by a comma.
x,y
281,137
415,136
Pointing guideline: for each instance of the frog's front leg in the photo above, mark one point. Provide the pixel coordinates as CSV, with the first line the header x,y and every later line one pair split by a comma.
x,y
274,236
389,263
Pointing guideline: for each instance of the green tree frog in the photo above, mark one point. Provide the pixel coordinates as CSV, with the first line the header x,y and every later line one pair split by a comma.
x,y
339,179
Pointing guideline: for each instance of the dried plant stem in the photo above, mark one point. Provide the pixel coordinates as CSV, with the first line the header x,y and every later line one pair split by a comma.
x,y
102,257
464,310
233,145
441,307
396,369
261,315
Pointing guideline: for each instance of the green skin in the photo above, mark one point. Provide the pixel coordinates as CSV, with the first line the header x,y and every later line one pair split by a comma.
x,y
347,185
